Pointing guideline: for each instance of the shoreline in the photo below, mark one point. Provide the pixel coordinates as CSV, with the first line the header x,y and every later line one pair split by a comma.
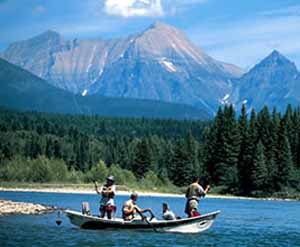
x,y
141,193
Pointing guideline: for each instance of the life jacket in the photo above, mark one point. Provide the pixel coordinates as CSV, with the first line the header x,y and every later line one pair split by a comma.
x,y
106,188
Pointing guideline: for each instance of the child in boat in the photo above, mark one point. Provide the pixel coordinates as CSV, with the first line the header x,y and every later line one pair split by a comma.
x,y
167,213
108,191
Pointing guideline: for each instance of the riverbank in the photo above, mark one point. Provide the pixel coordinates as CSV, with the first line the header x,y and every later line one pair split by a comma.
x,y
121,190
12,208
83,190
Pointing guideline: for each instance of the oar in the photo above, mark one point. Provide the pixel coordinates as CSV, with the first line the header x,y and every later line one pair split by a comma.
x,y
146,220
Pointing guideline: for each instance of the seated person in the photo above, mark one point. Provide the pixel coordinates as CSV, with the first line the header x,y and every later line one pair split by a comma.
x,y
167,213
130,209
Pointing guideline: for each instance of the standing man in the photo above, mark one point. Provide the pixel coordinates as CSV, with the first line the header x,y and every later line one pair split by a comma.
x,y
108,191
193,194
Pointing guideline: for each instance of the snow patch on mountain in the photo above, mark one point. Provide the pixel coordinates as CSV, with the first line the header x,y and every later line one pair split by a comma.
x,y
91,60
168,65
225,99
98,77
84,93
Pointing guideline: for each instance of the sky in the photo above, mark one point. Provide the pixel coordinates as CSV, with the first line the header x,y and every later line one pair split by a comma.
x,y
241,32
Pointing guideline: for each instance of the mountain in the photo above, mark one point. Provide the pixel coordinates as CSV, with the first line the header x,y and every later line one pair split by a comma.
x,y
19,89
159,63
275,81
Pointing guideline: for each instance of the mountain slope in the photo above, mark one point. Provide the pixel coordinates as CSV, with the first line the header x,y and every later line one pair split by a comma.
x,y
159,63
20,89
275,81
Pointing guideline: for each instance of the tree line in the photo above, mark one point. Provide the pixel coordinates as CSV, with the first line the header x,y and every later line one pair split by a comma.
x,y
248,153
257,154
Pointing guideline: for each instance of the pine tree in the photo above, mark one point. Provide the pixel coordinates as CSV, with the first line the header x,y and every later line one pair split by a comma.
x,y
284,159
192,150
246,153
214,151
259,173
143,160
231,150
267,136
181,168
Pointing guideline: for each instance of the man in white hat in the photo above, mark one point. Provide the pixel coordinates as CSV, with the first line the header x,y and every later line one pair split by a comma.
x,y
108,191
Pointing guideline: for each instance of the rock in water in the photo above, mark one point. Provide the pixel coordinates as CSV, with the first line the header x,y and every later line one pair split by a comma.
x,y
11,208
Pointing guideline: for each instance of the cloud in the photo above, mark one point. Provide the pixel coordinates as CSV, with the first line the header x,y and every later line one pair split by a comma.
x,y
131,8
147,8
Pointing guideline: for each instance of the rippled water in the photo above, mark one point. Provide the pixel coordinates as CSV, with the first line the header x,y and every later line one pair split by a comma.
x,y
241,223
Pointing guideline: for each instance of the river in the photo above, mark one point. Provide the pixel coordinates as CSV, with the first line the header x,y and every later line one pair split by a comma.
x,y
241,223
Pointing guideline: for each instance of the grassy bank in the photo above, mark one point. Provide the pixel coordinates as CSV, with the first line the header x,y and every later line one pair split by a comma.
x,y
88,187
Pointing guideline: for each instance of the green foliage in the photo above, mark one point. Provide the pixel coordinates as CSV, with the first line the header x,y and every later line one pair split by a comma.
x,y
257,155
39,170
143,159
98,172
122,176
259,173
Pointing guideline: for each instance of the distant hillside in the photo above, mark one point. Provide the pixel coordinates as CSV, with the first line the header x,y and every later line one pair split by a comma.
x,y
19,89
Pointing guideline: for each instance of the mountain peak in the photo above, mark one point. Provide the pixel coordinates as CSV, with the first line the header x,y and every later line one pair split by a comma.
x,y
161,26
274,62
46,36
158,24
49,34
276,58
276,53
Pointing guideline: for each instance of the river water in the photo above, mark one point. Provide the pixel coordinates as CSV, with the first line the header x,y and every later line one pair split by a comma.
x,y
241,223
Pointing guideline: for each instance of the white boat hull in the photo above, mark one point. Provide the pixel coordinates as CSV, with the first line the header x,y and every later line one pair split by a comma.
x,y
188,225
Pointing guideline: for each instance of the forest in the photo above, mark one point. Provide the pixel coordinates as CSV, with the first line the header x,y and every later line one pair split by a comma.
x,y
245,153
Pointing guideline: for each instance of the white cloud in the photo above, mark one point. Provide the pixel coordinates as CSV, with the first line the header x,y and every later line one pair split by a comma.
x,y
148,8
130,8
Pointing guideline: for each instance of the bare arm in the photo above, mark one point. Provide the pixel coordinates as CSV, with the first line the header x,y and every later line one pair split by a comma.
x,y
207,189
97,188
144,210
202,192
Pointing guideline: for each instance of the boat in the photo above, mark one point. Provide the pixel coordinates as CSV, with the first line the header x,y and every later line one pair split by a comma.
x,y
186,225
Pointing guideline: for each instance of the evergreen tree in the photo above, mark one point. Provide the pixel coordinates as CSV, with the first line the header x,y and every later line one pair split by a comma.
x,y
181,168
192,149
284,159
143,160
259,172
231,150
267,134
214,151
245,154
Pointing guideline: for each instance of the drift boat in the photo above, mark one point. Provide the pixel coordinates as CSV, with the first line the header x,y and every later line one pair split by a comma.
x,y
187,225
